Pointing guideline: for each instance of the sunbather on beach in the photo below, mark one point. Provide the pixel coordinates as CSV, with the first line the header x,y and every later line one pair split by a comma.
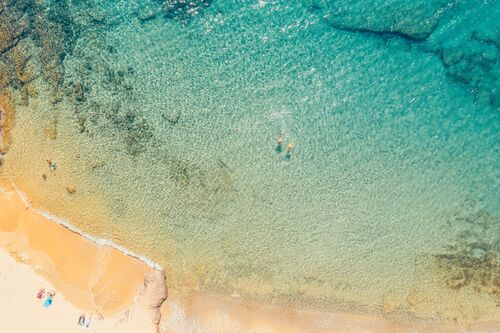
x,y
81,320
88,322
48,302
41,293
50,297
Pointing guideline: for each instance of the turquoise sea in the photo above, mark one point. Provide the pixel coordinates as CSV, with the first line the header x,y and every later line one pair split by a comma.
x,y
163,119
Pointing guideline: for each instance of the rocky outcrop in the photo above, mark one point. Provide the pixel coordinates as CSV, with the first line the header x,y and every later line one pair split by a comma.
x,y
6,123
34,39
33,42
153,293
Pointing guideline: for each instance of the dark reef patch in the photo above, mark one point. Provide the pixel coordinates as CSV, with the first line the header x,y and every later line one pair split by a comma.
x,y
216,179
103,96
475,63
33,43
34,39
473,260
183,10
6,122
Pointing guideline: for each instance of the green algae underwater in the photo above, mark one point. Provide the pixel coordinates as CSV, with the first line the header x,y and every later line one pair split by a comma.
x,y
163,119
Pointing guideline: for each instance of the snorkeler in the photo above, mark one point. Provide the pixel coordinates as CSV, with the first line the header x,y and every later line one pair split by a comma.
x,y
52,166
281,139
289,149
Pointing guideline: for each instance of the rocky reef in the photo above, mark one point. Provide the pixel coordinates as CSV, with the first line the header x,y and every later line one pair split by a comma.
x,y
473,261
6,123
463,34
33,43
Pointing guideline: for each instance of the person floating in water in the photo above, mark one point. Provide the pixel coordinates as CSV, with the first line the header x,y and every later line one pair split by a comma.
x,y
280,141
52,166
289,149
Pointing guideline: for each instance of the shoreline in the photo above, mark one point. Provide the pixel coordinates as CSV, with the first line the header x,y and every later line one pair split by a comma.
x,y
93,277
177,313
19,286
98,241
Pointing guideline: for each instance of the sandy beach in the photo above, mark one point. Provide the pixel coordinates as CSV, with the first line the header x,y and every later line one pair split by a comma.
x,y
123,295
23,311
87,277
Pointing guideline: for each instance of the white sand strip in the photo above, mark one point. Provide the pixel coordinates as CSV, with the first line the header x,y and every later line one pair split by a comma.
x,y
22,312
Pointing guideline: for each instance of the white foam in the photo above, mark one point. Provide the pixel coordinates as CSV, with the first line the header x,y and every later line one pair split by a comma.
x,y
99,241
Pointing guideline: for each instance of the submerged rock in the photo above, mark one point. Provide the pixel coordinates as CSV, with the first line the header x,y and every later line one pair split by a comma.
x,y
411,19
473,261
71,189
6,122
5,75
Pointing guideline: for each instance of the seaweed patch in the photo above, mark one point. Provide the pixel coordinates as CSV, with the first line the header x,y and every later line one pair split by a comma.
x,y
473,260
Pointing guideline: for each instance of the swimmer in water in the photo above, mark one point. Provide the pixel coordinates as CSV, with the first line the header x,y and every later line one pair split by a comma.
x,y
52,166
289,149
281,139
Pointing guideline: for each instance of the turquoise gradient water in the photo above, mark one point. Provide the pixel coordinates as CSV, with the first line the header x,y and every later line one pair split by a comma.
x,y
170,116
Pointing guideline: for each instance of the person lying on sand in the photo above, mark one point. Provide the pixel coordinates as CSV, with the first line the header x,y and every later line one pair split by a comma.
x,y
41,293
48,301
90,319
81,320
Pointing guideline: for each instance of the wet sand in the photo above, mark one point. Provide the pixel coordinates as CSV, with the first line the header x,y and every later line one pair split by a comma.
x,y
91,277
214,314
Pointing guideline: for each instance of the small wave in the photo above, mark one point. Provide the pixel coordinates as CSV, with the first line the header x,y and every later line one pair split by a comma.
x,y
99,241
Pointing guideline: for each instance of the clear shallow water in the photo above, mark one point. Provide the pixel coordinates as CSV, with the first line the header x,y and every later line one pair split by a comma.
x,y
164,118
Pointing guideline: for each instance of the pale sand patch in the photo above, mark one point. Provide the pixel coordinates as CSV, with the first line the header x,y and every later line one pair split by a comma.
x,y
22,312
214,314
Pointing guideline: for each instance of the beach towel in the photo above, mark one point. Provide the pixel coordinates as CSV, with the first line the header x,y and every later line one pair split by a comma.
x,y
48,302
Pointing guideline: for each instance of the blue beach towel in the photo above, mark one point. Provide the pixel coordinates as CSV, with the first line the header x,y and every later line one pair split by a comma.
x,y
48,302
